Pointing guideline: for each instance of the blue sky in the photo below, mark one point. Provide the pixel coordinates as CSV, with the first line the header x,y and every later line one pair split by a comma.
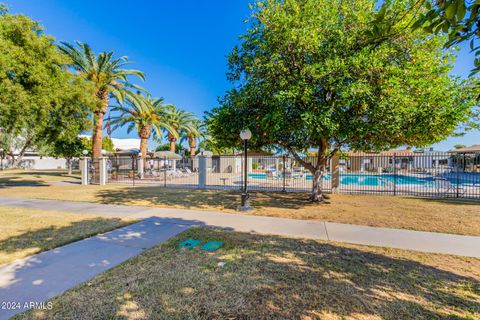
x,y
180,45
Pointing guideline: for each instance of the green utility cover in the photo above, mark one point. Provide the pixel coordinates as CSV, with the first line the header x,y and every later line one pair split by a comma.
x,y
189,243
211,246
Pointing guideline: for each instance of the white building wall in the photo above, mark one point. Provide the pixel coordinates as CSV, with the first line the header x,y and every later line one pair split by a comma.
x,y
43,163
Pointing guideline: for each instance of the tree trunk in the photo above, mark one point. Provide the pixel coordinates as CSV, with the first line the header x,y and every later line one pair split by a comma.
x,y
16,161
192,143
316,168
69,166
317,188
97,135
172,140
144,134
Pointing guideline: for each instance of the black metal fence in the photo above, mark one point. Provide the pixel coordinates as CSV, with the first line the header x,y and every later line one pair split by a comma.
x,y
425,174
181,172
432,174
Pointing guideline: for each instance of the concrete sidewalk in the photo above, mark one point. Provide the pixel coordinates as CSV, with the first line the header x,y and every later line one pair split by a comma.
x,y
38,278
385,237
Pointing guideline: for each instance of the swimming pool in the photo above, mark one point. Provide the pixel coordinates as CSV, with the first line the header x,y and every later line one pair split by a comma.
x,y
373,180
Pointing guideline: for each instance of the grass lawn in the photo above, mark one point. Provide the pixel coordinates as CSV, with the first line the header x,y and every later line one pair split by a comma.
x,y
24,232
437,215
273,277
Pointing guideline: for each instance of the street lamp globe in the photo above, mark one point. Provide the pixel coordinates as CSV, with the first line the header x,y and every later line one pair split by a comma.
x,y
139,154
246,134
85,152
104,152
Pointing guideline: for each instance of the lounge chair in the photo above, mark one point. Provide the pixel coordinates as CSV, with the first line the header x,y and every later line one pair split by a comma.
x,y
272,174
444,186
298,173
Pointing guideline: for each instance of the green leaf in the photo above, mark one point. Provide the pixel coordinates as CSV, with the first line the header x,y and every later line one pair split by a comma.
x,y
451,10
461,10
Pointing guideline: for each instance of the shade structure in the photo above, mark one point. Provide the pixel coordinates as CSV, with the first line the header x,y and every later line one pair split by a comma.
x,y
167,155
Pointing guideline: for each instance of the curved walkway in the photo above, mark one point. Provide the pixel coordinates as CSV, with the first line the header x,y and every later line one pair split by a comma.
x,y
385,237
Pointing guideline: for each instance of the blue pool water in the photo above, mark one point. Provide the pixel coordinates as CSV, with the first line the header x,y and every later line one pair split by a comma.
x,y
367,179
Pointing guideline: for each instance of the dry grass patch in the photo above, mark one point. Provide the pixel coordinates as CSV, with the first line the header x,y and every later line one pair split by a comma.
x,y
24,232
423,214
18,177
269,277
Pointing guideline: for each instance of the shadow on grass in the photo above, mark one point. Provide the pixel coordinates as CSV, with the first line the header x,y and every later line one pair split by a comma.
x,y
298,278
195,198
51,237
19,182
271,277
451,201
36,178
40,174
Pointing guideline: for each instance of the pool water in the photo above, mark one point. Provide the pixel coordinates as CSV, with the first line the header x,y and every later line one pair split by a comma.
x,y
367,179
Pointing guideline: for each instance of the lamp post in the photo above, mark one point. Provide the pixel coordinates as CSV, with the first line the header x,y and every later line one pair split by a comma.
x,y
245,135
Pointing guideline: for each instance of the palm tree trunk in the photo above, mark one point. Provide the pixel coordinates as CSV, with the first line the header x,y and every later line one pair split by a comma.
x,y
144,135
97,135
143,146
192,143
98,124
172,140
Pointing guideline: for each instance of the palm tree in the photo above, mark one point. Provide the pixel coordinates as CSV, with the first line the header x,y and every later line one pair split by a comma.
x,y
109,79
179,120
145,114
192,133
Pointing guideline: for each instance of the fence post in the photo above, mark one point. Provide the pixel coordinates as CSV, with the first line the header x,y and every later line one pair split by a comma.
x,y
140,167
84,169
457,194
335,171
134,173
165,172
283,174
394,174
102,163
202,172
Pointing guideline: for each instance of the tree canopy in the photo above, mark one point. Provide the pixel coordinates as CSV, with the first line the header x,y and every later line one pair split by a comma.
x,y
307,75
40,100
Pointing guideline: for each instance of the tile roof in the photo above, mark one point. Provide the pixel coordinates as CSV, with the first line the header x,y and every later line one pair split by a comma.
x,y
405,152
471,149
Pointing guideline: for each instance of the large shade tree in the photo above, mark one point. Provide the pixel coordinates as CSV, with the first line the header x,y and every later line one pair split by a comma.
x,y
307,76
40,100
144,114
109,78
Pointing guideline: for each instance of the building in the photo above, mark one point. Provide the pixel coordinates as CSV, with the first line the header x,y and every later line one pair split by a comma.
x,y
430,159
32,160
472,149
466,159
380,161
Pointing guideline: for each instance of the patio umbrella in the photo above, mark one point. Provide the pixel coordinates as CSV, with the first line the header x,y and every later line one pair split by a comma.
x,y
167,155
